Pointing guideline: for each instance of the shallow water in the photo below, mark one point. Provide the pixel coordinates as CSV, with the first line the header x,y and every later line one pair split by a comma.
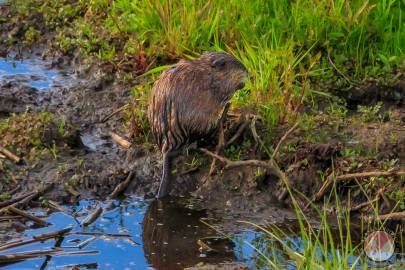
x,y
32,72
160,235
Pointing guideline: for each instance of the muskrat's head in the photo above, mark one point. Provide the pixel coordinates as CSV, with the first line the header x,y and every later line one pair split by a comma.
x,y
230,74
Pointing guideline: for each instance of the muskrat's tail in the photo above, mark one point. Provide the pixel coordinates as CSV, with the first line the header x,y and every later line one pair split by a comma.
x,y
165,180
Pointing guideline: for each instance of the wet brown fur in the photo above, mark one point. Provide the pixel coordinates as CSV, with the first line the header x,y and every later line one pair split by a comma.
x,y
189,99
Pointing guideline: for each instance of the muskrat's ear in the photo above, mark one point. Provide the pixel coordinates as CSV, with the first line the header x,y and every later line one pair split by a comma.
x,y
218,62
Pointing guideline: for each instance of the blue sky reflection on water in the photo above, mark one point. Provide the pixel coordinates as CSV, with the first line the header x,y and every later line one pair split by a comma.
x,y
31,72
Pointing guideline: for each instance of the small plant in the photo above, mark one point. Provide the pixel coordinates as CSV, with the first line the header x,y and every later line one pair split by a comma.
x,y
370,113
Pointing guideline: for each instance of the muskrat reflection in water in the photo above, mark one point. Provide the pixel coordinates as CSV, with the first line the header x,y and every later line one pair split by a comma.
x,y
188,102
170,233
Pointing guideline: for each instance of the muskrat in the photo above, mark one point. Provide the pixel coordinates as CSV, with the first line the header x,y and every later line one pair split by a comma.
x,y
188,102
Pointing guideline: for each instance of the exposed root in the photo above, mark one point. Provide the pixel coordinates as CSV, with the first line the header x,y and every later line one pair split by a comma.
x,y
342,178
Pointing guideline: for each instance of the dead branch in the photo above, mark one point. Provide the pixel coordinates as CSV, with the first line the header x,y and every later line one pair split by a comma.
x,y
120,140
271,165
342,178
32,196
16,199
399,216
93,216
232,164
27,215
10,155
121,187
282,140
54,205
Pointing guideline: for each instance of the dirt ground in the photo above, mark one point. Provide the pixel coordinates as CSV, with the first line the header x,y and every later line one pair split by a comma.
x,y
89,164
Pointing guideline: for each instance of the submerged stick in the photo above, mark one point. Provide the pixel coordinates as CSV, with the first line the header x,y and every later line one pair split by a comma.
x,y
39,253
10,155
92,217
37,238
120,188
120,140
123,235
86,242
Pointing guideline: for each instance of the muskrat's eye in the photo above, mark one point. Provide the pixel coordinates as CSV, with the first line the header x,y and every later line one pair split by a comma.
x,y
218,62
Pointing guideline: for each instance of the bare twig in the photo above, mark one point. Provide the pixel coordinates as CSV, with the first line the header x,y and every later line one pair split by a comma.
x,y
27,215
120,140
338,71
10,155
34,196
342,178
120,188
365,204
282,140
106,118
238,133
93,216
16,199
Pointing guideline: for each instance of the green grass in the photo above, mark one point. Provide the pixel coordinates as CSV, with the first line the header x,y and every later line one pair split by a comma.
x,y
285,45
315,241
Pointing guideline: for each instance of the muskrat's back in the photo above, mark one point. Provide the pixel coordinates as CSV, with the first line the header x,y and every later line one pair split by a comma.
x,y
189,98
